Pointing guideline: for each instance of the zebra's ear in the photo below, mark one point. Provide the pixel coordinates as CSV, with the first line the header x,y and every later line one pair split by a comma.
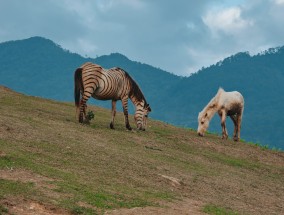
x,y
148,107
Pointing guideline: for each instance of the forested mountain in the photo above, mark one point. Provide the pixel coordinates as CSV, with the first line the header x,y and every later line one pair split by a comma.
x,y
38,66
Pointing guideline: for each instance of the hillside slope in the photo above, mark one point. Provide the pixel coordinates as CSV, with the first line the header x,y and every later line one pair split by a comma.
x,y
51,163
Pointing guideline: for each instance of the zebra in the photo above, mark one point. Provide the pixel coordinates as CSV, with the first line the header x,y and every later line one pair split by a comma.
x,y
112,84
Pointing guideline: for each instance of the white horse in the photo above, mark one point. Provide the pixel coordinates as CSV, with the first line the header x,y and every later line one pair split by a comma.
x,y
226,104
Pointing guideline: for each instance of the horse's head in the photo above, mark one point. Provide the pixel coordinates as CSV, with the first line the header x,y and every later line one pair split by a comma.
x,y
141,116
203,123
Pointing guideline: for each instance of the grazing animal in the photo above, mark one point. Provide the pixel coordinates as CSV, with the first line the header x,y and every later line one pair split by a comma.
x,y
226,104
112,84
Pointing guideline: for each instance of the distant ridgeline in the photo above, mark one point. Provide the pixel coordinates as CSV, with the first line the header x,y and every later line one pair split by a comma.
x,y
39,67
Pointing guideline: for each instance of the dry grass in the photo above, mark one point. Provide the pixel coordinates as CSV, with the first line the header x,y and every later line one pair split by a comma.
x,y
49,160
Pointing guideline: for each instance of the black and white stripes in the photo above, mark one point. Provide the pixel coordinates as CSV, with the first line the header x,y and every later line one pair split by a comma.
x,y
113,84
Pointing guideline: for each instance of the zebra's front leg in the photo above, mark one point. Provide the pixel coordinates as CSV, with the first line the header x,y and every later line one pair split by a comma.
x,y
124,102
113,113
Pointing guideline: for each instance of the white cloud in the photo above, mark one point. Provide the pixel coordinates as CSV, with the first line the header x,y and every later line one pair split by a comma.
x,y
206,58
279,2
227,20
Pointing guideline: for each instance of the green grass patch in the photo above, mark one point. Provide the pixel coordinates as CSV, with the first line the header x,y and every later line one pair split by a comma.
x,y
6,162
99,199
216,210
31,162
262,146
232,161
8,187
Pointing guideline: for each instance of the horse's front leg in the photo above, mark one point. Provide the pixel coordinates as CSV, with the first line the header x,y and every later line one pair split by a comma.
x,y
222,115
113,113
124,102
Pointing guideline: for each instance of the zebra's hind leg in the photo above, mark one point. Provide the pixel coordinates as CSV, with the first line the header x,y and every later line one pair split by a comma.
x,y
82,116
81,112
113,112
83,106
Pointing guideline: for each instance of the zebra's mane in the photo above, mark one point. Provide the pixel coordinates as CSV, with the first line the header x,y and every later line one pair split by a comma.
x,y
135,89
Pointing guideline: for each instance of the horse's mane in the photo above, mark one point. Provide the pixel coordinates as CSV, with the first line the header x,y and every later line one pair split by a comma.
x,y
215,99
211,107
135,89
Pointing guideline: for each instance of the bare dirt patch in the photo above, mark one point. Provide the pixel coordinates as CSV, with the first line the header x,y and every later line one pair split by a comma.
x,y
2,154
28,207
23,176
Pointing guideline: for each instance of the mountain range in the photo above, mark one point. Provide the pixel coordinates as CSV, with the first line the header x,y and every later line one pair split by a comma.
x,y
39,67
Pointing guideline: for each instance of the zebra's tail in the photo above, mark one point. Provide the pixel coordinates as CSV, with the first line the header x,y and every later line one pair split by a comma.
x,y
78,86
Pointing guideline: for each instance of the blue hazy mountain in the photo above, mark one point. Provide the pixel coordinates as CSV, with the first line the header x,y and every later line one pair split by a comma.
x,y
39,67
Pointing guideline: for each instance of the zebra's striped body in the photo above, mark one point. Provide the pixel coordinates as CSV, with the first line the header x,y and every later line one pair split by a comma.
x,y
113,84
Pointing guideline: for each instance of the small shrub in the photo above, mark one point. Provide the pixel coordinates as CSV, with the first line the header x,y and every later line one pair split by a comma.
x,y
90,115
264,147
3,209
77,210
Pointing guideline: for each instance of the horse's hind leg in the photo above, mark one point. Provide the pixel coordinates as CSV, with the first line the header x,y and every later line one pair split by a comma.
x,y
234,119
113,112
239,122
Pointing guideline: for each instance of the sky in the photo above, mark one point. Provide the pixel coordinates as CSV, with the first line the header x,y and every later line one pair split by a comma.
x,y
178,36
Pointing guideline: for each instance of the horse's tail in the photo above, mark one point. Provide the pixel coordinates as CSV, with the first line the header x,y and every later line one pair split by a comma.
x,y
78,86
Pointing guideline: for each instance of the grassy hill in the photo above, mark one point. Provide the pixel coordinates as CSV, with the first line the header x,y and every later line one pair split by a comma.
x,y
39,67
50,164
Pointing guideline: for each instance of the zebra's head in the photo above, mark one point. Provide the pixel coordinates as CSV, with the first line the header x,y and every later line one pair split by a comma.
x,y
141,115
